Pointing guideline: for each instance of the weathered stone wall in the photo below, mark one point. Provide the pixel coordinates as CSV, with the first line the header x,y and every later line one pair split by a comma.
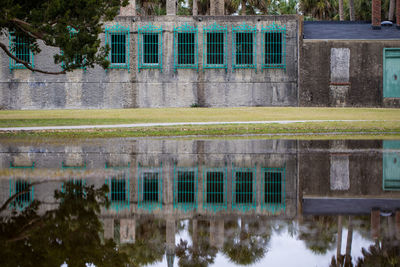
x,y
121,88
343,73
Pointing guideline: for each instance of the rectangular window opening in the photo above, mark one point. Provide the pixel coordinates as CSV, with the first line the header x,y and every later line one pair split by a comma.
x,y
150,187
118,189
118,48
244,187
273,187
215,48
273,48
150,48
244,45
215,187
186,48
186,187
20,186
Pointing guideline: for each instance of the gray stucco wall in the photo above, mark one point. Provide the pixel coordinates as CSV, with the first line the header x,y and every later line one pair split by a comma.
x,y
325,81
97,88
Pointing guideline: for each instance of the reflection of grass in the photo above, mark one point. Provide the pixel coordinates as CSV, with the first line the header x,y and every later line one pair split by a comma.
x,y
10,118
389,129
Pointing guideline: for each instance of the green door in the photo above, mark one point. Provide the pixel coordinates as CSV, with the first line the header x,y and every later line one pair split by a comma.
x,y
391,165
391,72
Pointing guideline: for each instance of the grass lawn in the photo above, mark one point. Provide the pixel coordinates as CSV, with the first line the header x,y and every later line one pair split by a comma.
x,y
380,122
10,118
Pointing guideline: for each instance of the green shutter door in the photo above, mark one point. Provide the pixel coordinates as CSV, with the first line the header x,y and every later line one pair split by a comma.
x,y
391,72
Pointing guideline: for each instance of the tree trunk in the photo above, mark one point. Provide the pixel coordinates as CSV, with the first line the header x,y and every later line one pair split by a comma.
x,y
341,16
348,243
195,10
213,6
391,9
339,241
351,8
243,9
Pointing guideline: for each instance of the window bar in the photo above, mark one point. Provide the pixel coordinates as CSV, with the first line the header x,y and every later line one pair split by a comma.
x,y
185,188
244,47
119,185
244,188
117,37
150,47
185,47
18,185
215,189
149,187
274,47
273,189
214,47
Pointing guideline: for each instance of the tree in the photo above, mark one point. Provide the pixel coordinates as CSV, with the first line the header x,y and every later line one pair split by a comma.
x,y
70,234
51,22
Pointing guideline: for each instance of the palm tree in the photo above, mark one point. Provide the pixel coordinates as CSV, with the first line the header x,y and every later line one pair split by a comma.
x,y
341,15
351,10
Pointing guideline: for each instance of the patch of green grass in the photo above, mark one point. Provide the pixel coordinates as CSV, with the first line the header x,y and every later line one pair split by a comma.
x,y
15,118
388,127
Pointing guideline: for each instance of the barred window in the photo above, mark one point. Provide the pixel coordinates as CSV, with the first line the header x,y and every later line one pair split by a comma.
x,y
244,47
214,46
273,189
117,38
150,47
185,188
20,47
118,45
185,47
25,197
273,39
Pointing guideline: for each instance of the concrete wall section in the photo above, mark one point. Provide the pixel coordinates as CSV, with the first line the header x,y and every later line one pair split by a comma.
x,y
122,88
343,73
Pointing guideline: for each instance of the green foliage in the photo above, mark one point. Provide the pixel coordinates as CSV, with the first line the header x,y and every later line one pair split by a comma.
x,y
70,233
51,20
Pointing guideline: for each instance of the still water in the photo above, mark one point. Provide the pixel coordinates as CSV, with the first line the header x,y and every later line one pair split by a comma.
x,y
168,202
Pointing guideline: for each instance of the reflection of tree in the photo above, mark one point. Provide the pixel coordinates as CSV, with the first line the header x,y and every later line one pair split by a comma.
x,y
318,233
247,243
381,255
70,233
149,246
200,253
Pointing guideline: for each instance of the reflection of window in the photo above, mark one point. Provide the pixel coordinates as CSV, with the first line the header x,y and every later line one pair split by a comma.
x,y
273,45
214,46
150,187
150,47
244,187
186,187
19,47
244,47
185,52
391,165
273,187
117,38
215,187
24,195
118,190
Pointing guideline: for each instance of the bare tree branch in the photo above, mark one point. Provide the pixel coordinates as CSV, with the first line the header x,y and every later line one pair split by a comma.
x,y
26,64
13,197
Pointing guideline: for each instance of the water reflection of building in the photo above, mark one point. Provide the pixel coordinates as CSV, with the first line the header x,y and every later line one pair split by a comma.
x,y
164,177
225,190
